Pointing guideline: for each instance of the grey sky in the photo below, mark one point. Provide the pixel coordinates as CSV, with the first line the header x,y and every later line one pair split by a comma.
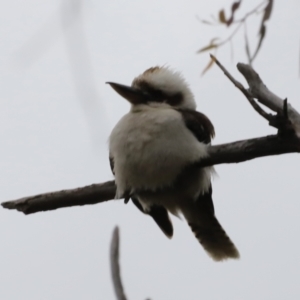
x,y
56,115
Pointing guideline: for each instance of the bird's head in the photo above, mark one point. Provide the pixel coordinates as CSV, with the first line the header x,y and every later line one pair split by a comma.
x,y
157,85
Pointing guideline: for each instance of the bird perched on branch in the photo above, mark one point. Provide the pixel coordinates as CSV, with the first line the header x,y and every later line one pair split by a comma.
x,y
153,154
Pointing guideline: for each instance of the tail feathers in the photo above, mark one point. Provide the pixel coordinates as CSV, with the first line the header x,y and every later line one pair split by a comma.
x,y
207,229
214,239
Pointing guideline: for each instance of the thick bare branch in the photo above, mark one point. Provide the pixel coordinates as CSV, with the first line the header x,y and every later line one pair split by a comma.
x,y
114,265
249,149
259,91
90,194
226,153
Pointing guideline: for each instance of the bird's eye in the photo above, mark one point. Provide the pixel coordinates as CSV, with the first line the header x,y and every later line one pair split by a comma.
x,y
175,99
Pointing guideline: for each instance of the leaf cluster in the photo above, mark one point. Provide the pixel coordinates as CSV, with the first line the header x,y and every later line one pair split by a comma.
x,y
235,24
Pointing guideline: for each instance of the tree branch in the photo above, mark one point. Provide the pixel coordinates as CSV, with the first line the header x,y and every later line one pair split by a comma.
x,y
115,266
260,91
91,194
287,121
96,193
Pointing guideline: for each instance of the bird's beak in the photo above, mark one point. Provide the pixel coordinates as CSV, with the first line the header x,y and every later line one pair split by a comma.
x,y
133,95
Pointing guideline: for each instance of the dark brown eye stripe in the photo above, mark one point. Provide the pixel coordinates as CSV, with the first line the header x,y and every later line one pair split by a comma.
x,y
175,99
157,95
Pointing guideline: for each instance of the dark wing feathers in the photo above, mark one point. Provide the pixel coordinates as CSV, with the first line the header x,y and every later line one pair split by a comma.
x,y
198,124
160,216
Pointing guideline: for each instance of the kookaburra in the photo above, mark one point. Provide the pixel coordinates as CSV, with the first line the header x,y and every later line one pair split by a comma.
x,y
153,150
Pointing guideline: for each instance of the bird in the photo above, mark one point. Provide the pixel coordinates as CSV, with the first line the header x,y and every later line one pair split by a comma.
x,y
153,154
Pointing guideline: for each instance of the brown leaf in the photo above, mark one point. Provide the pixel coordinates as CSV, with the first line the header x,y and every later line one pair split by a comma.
x,y
222,17
208,47
235,6
209,65
268,11
263,29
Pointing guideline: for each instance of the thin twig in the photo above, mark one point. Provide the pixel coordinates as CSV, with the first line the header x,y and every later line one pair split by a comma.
x,y
114,265
251,12
237,84
230,37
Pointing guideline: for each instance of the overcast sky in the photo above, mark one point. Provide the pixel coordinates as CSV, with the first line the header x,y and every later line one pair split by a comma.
x,y
55,118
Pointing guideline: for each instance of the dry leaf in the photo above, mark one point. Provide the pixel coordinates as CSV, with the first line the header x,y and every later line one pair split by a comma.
x,y
209,65
222,17
210,46
234,7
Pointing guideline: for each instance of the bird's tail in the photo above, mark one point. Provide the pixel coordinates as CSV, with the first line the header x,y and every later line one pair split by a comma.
x,y
207,229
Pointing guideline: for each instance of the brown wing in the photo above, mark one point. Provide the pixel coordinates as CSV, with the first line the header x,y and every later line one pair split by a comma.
x,y
198,124
160,216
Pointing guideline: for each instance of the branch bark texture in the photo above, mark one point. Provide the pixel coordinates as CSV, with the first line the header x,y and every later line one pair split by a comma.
x,y
96,193
91,194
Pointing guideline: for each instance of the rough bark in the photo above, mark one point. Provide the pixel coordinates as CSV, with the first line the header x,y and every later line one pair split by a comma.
x,y
96,193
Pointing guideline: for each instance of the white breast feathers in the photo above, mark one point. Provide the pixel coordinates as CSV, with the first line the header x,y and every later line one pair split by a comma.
x,y
150,147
